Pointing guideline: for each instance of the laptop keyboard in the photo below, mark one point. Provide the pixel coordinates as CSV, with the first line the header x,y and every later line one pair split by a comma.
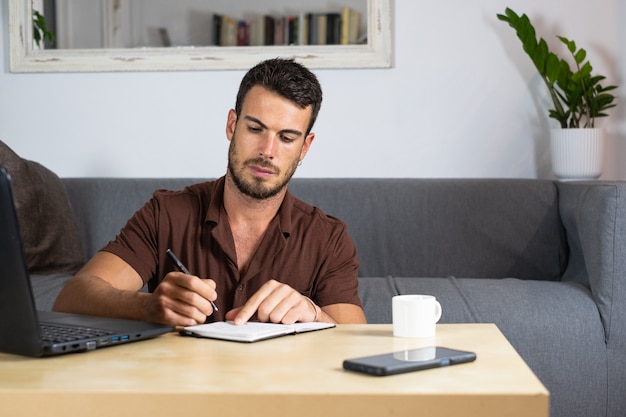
x,y
51,333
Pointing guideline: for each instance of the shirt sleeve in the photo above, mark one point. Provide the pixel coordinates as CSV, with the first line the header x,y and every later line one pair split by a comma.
x,y
338,280
136,243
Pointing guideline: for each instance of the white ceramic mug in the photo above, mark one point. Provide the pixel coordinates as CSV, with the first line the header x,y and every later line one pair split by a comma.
x,y
415,315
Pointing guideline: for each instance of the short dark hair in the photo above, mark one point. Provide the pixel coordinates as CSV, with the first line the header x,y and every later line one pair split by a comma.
x,y
286,78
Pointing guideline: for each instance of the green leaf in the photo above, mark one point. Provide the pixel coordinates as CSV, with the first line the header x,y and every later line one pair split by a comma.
x,y
570,44
585,71
553,68
607,88
580,56
540,56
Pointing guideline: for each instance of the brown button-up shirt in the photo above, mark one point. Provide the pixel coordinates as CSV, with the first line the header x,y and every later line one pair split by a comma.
x,y
303,247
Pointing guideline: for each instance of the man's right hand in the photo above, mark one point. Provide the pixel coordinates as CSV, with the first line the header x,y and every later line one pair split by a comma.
x,y
182,300
108,286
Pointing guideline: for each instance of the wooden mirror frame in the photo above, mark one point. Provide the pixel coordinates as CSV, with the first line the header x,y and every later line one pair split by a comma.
x,y
25,57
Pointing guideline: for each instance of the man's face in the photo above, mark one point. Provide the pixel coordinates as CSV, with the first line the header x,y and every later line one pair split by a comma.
x,y
267,142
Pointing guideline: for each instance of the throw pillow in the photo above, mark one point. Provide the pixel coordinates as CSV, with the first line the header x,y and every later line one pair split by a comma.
x,y
47,225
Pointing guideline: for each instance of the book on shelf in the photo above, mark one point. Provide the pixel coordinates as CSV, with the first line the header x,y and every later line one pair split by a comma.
x,y
257,31
350,26
303,29
333,28
217,29
291,30
279,30
243,33
322,27
228,31
330,28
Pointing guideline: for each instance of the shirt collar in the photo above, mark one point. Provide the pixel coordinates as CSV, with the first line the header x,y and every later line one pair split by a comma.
x,y
216,209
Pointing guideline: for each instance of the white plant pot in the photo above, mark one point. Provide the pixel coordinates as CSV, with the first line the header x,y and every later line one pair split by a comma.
x,y
577,153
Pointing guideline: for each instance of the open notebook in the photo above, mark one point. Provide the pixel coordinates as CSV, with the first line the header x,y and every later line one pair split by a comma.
x,y
250,331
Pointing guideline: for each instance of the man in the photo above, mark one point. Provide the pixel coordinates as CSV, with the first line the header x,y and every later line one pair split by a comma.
x,y
253,249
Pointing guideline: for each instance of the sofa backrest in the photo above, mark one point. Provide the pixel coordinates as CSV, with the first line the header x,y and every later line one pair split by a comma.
x,y
104,205
480,228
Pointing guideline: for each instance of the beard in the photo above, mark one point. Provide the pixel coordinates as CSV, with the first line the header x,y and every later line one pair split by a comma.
x,y
257,188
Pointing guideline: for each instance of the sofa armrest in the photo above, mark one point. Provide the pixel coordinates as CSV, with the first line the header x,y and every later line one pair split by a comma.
x,y
594,217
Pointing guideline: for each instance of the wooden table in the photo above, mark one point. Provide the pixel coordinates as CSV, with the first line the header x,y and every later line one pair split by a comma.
x,y
290,376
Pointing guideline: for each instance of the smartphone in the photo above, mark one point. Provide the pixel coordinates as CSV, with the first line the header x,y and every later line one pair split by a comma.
x,y
408,360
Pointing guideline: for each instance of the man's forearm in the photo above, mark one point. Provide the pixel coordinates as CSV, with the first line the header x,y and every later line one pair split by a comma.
x,y
342,313
93,296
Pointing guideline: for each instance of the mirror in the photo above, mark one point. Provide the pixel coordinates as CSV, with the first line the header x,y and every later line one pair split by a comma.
x,y
139,35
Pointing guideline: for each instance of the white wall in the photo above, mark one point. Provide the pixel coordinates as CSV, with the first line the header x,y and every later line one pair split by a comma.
x,y
462,100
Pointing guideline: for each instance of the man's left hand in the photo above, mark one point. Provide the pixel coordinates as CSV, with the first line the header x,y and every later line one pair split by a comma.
x,y
277,303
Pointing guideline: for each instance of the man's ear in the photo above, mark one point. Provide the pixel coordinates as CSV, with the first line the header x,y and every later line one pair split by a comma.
x,y
231,122
306,145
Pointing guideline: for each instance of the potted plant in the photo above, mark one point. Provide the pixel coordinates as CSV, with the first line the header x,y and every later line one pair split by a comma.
x,y
578,99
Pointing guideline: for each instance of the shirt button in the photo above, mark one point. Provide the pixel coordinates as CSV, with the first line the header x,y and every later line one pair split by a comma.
x,y
240,288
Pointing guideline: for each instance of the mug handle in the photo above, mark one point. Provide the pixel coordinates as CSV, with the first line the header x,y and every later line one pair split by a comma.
x,y
437,311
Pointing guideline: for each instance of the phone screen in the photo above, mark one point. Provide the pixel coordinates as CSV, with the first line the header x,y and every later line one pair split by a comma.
x,y
408,360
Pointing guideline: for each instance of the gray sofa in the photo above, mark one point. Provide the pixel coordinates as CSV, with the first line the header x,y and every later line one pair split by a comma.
x,y
545,261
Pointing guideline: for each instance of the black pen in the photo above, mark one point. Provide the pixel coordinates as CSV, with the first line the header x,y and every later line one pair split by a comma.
x,y
184,269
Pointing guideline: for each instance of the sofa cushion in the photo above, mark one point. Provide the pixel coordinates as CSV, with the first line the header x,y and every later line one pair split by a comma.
x,y
49,232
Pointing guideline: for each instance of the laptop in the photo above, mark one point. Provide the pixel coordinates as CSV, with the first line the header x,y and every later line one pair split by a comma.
x,y
26,331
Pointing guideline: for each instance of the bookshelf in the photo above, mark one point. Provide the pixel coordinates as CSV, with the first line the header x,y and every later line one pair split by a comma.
x,y
341,27
368,46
